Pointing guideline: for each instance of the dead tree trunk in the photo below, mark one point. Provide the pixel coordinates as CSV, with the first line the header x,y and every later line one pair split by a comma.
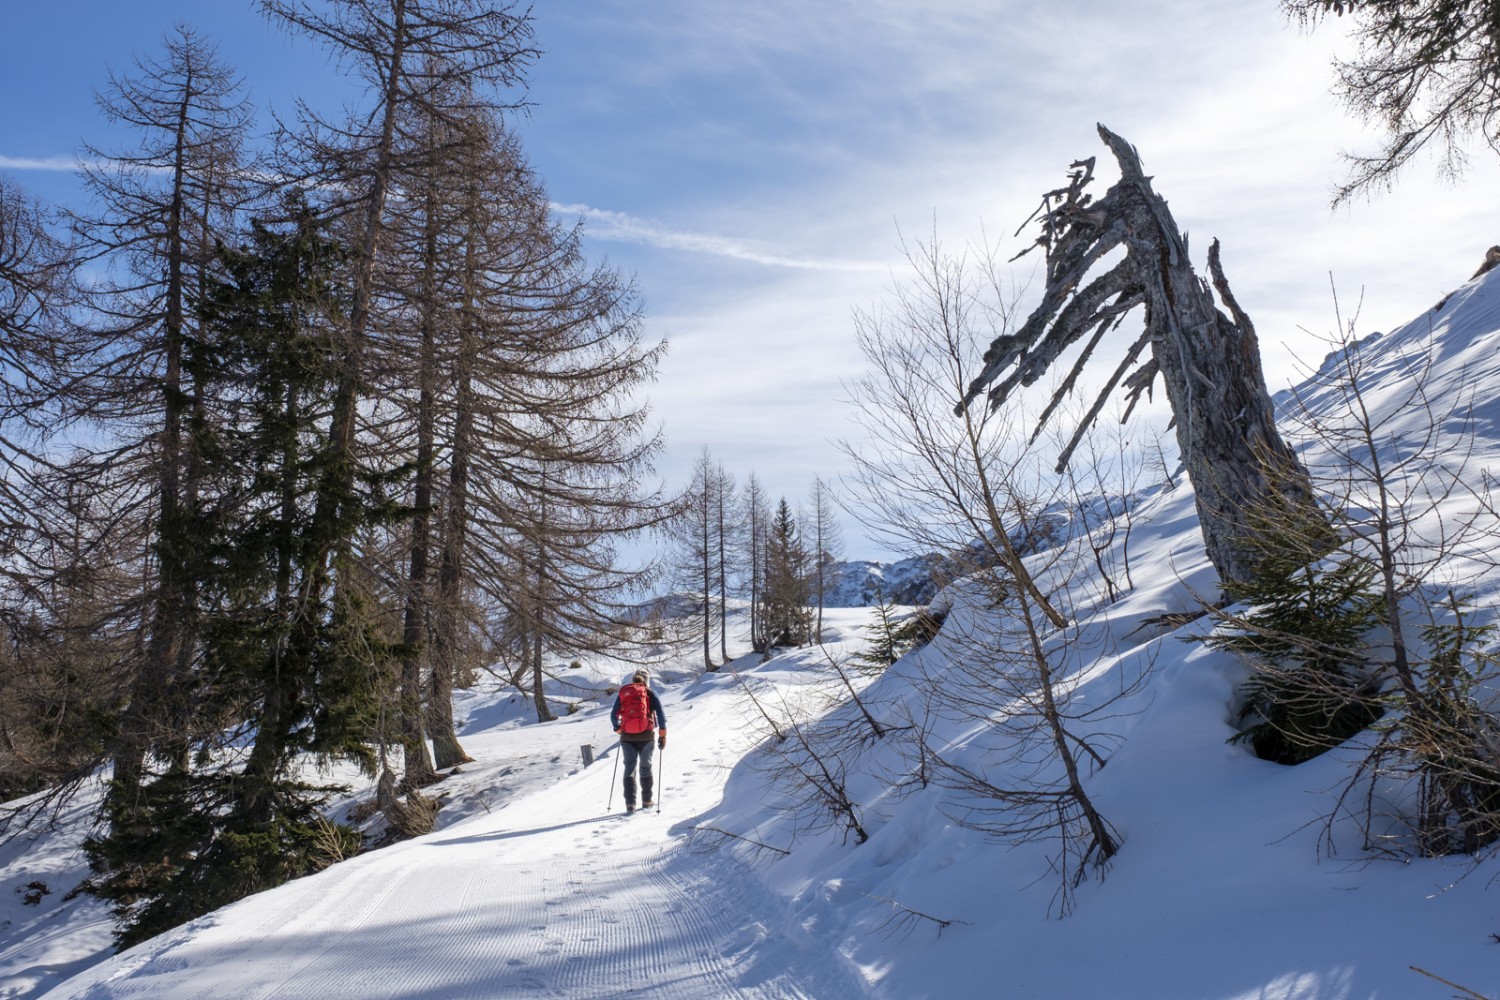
x,y
1241,469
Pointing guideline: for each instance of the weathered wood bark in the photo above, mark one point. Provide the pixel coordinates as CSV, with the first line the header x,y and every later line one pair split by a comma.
x,y
1209,362
1491,261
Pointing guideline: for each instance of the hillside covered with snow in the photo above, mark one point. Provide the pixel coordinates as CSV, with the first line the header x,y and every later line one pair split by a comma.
x,y
1235,878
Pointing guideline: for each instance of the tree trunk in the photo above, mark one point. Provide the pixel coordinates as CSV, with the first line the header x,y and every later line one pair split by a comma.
x,y
706,548
538,691
721,487
755,576
338,481
419,769
447,752
151,717
1242,471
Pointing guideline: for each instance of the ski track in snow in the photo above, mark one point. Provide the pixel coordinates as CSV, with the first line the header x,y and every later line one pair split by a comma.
x,y
550,897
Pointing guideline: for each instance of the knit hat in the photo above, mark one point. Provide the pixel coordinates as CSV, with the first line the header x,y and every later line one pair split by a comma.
x,y
641,677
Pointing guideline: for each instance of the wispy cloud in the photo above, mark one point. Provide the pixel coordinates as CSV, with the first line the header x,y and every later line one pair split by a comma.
x,y
71,164
64,163
622,228
603,225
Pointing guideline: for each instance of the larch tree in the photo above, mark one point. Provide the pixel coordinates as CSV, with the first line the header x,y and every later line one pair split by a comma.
x,y
58,676
61,685
159,210
450,631
788,581
408,53
419,276
971,489
725,527
1426,71
316,423
548,442
471,220
755,519
693,534
37,271
38,343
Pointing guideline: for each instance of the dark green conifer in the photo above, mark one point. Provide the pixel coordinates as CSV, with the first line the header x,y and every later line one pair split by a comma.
x,y
885,647
788,583
286,669
1313,685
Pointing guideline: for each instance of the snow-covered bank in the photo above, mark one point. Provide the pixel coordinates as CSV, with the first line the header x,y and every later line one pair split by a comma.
x,y
1231,881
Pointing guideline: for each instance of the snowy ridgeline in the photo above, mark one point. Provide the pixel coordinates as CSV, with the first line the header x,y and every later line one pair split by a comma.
x,y
914,581
859,583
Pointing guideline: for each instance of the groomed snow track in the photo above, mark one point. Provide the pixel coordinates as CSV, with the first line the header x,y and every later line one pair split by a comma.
x,y
549,897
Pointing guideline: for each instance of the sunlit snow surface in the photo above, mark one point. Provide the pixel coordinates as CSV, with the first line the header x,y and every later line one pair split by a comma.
x,y
532,887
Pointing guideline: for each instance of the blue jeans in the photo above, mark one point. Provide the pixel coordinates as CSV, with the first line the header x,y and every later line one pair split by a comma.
x,y
634,753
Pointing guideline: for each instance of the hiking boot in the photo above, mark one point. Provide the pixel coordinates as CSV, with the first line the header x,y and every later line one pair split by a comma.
x,y
647,804
629,808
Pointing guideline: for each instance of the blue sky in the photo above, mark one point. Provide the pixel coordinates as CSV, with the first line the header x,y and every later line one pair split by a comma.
x,y
750,164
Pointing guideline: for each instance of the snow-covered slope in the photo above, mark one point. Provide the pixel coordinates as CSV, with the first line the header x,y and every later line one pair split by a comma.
x,y
1228,882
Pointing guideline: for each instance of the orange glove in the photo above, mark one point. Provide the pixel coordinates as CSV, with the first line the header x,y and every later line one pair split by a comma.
x,y
661,740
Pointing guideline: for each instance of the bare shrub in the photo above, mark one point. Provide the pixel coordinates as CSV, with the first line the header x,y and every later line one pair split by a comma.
x,y
812,753
1010,658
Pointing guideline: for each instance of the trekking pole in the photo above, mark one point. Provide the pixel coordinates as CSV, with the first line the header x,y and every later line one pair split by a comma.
x,y
613,774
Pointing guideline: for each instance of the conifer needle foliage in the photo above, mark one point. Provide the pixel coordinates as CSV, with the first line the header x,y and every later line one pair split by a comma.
x,y
1304,631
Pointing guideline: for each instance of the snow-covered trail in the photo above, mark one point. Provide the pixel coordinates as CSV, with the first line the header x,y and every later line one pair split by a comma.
x,y
552,896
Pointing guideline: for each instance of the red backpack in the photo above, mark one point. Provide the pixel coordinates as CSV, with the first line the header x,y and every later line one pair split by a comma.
x,y
635,709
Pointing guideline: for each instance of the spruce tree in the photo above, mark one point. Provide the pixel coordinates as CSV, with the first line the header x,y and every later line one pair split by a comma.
x,y
1448,737
788,582
1303,632
886,644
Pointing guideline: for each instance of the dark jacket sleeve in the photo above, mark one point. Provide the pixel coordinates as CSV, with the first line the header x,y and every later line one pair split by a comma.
x,y
661,717
614,713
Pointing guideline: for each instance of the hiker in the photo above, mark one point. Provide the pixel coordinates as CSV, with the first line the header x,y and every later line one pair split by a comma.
x,y
642,727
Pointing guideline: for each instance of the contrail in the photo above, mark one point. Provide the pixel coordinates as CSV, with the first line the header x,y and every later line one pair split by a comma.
x,y
622,228
65,163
